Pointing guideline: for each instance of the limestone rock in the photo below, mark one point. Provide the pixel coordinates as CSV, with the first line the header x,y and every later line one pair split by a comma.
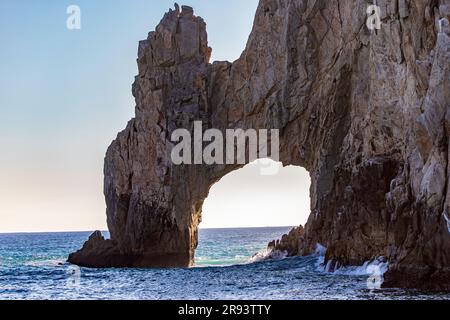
x,y
366,113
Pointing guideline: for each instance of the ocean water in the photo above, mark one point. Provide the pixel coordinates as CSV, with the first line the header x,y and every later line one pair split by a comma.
x,y
32,266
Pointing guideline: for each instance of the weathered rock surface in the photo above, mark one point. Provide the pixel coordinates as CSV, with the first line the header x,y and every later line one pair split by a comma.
x,y
290,243
366,112
98,252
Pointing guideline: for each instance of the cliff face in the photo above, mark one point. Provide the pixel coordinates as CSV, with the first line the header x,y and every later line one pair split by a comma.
x,y
365,112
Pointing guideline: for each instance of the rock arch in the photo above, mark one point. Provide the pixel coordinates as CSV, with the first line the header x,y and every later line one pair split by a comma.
x,y
261,194
365,113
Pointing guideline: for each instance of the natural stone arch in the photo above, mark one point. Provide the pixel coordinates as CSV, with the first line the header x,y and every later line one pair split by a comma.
x,y
153,206
262,194
361,111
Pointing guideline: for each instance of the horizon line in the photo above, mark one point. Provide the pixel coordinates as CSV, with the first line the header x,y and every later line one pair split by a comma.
x,y
87,231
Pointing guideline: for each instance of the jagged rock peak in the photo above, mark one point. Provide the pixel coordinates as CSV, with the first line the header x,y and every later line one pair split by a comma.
x,y
185,11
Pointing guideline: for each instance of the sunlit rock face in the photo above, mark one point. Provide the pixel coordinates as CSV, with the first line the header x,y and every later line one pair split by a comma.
x,y
365,112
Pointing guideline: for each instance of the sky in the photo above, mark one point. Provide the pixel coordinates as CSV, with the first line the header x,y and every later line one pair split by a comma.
x,y
64,95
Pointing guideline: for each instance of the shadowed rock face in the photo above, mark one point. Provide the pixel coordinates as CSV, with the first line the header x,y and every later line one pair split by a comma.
x,y
366,113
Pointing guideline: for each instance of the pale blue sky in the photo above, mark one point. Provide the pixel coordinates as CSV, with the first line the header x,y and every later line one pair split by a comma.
x,y
64,95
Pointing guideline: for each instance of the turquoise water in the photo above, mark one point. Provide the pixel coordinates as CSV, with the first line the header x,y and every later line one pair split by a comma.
x,y
225,247
32,266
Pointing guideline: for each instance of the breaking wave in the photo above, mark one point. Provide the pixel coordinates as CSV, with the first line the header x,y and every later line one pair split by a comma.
x,y
268,254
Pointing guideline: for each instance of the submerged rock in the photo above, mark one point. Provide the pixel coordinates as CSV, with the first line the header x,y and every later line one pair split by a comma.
x,y
366,113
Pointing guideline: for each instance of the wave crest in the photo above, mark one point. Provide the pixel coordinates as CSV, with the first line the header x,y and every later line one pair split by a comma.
x,y
268,254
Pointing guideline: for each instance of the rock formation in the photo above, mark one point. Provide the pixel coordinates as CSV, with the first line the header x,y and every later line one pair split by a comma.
x,y
365,112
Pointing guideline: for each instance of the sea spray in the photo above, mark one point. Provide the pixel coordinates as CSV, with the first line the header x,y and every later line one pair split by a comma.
x,y
268,254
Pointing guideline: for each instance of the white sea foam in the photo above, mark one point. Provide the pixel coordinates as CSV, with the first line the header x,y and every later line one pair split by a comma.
x,y
377,267
447,219
45,263
320,253
373,269
320,250
268,254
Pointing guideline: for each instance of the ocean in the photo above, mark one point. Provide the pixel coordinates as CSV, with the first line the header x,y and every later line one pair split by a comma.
x,y
33,266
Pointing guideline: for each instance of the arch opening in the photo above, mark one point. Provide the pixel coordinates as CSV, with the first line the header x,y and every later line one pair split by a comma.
x,y
248,208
